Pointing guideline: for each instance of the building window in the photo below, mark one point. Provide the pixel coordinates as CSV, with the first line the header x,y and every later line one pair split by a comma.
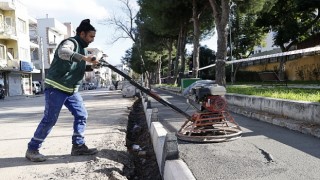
x,y
24,54
22,26
8,21
10,50
34,55
1,23
2,52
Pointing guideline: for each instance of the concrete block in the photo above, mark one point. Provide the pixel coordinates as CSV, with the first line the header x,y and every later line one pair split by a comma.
x,y
177,170
148,104
154,115
158,135
170,149
148,115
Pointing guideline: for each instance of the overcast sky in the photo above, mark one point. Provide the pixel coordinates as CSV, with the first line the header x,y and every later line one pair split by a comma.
x,y
75,11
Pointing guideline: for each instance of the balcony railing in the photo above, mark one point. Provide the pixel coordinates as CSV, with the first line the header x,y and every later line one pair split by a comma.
x,y
7,30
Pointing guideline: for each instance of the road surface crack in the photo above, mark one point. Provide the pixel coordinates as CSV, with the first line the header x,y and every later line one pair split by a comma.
x,y
266,155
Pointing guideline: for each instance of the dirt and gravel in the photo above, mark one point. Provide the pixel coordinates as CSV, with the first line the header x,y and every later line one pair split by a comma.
x,y
115,124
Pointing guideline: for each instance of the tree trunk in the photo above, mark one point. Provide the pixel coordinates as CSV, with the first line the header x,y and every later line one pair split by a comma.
x,y
170,58
221,10
282,67
158,72
178,56
196,35
145,72
182,50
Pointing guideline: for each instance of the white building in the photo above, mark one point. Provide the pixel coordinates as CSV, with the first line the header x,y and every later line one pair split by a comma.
x,y
49,32
102,76
15,60
267,47
52,32
124,69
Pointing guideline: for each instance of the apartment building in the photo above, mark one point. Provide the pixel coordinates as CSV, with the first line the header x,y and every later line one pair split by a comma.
x,y
48,32
15,61
27,47
124,68
100,77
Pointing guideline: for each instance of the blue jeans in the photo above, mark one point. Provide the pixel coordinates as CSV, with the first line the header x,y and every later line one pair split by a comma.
x,y
54,99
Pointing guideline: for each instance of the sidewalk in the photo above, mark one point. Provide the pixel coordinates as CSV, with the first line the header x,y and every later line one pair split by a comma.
x,y
10,98
106,130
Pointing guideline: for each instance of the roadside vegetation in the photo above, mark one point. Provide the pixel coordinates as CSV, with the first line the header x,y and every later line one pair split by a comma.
x,y
280,92
298,94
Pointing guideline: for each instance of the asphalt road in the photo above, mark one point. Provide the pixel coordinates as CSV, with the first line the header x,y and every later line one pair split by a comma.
x,y
264,151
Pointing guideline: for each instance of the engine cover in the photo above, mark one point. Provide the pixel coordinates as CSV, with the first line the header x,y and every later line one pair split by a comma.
x,y
204,91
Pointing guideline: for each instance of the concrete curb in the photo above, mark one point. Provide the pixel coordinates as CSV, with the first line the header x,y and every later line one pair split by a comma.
x,y
296,125
176,170
297,110
165,147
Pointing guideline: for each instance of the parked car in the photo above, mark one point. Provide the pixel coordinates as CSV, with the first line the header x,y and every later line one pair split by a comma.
x,y
36,87
2,91
92,86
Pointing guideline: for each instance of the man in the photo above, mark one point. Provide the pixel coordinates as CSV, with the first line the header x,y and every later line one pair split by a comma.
x,y
61,88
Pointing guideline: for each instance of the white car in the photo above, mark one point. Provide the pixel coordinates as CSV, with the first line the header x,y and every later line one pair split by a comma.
x,y
36,87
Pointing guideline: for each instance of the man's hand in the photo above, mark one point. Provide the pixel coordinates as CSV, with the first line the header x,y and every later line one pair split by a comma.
x,y
90,59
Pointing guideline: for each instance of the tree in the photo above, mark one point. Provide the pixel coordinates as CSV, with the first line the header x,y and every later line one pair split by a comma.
x,y
203,25
169,19
221,10
244,35
126,28
292,21
206,57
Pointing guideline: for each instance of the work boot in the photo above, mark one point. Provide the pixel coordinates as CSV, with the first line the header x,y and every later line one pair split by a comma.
x,y
78,150
35,156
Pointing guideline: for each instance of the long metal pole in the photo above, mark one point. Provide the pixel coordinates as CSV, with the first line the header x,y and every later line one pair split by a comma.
x,y
152,94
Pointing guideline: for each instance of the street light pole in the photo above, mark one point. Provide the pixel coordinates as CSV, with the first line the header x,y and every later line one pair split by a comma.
x,y
42,62
230,25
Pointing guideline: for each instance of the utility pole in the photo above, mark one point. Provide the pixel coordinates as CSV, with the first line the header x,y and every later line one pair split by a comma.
x,y
42,62
230,27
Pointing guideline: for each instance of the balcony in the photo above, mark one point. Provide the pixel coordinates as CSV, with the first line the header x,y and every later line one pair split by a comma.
x,y
7,32
52,45
8,5
3,63
12,65
34,45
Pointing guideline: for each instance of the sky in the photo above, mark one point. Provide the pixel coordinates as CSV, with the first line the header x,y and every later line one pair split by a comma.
x,y
75,11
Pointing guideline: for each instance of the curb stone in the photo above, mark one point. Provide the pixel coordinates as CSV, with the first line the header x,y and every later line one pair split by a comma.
x,y
166,148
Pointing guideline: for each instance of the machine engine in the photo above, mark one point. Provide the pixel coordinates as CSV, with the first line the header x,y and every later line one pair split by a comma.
x,y
206,94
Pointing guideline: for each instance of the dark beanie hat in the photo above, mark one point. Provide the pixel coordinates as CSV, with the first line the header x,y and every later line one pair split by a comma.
x,y
85,26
